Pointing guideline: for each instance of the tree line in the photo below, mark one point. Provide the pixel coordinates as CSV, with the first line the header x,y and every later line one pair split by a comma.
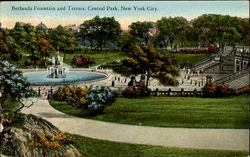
x,y
101,33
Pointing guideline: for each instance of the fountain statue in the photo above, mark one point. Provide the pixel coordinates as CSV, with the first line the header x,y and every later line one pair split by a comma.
x,y
56,74
57,70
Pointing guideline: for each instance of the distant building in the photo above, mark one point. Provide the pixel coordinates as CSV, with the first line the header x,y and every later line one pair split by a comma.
x,y
42,27
72,27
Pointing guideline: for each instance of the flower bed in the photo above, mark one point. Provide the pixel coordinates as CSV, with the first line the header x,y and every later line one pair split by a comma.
x,y
242,90
138,91
211,49
213,90
82,60
48,145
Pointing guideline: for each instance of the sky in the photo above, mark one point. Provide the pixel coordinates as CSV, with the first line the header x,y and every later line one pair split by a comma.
x,y
37,12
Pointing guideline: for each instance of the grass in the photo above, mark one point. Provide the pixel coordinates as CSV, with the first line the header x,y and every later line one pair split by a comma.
x,y
188,112
89,147
191,58
107,57
99,58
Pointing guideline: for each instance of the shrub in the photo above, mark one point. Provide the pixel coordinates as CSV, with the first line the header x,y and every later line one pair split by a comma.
x,y
93,99
242,90
224,90
82,60
47,145
213,90
138,91
73,95
98,97
210,89
28,62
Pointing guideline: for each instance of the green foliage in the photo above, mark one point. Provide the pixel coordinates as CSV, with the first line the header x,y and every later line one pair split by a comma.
x,y
147,60
141,30
218,28
127,41
63,40
100,31
170,29
4,46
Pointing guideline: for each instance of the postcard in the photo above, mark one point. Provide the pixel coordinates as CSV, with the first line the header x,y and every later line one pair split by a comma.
x,y
124,78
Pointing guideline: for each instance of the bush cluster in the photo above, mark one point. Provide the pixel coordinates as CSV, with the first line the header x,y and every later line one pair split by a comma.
x,y
211,89
73,95
94,98
137,91
82,60
242,90
49,144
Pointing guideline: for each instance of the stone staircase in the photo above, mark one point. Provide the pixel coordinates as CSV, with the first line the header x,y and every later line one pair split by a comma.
x,y
240,82
213,63
236,80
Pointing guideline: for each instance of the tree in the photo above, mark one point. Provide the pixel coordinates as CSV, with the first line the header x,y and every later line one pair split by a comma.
x,y
243,27
127,41
231,36
189,35
141,30
102,31
4,47
170,28
24,41
63,39
87,31
45,49
213,27
147,60
14,84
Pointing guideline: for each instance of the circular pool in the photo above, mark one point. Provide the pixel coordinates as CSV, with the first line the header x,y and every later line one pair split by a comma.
x,y
40,78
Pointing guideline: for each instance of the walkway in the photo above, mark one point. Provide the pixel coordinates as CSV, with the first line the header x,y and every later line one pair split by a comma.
x,y
225,139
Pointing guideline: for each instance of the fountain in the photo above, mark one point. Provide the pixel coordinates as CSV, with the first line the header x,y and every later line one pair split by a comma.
x,y
58,74
57,70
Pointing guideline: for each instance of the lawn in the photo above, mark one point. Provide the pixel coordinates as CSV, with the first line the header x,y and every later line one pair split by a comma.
x,y
188,112
190,58
99,58
89,147
106,57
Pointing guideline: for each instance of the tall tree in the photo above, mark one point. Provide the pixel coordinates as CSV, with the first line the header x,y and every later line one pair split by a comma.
x,y
4,47
63,39
127,41
14,84
141,30
215,26
102,31
170,28
243,27
45,46
25,41
149,61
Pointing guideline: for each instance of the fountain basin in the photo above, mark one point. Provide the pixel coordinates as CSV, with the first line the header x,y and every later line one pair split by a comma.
x,y
40,78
